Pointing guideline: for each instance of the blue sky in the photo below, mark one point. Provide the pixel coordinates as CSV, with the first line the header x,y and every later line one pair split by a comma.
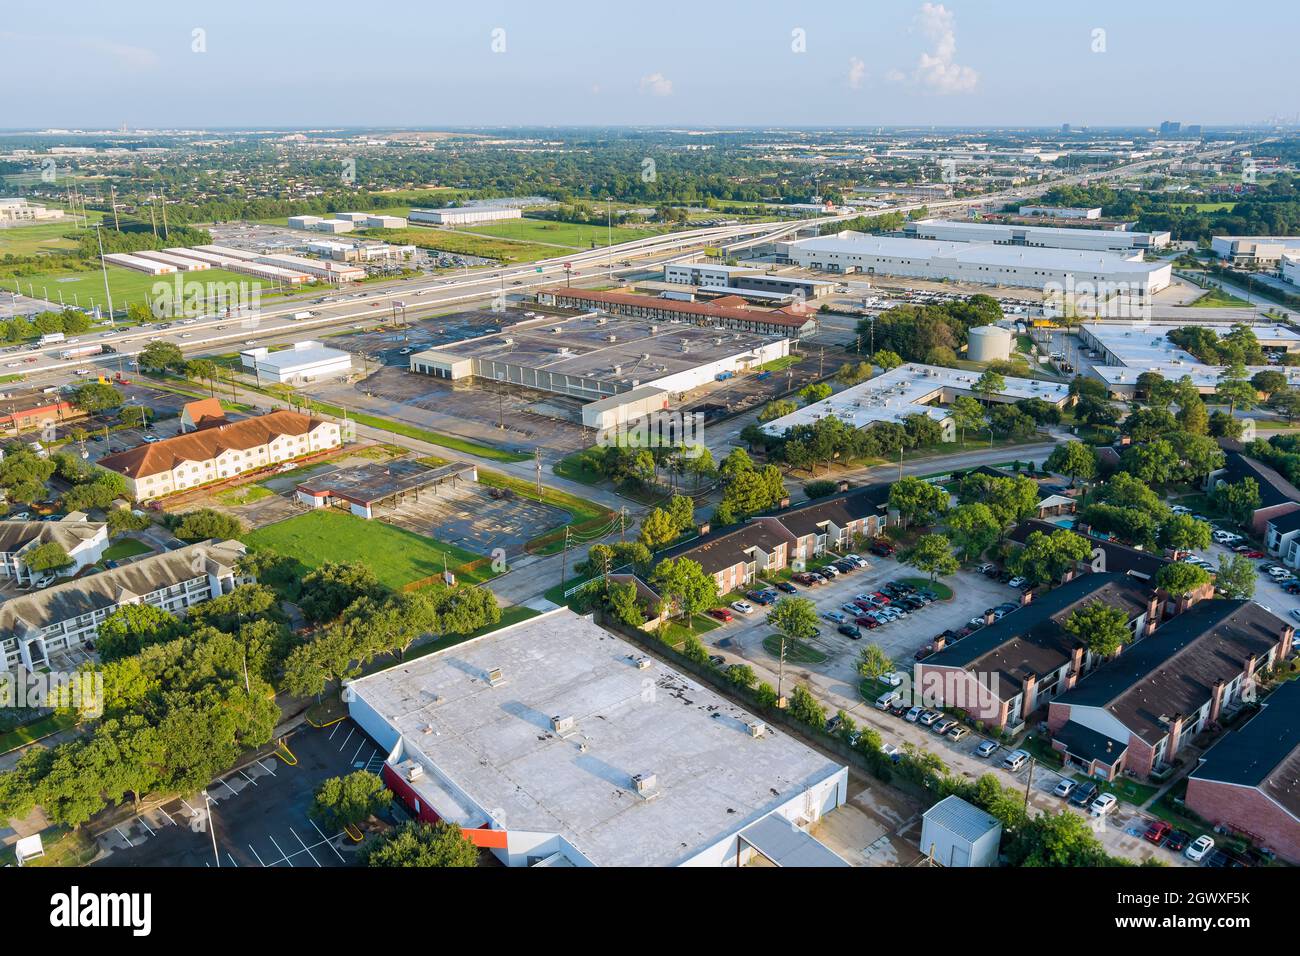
x,y
872,62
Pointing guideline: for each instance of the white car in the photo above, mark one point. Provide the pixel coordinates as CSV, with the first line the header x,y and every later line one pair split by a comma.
x,y
1015,760
896,678
1181,510
1199,848
1103,805
1017,582
742,607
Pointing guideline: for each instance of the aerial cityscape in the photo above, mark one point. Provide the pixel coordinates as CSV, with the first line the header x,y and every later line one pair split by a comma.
x,y
755,438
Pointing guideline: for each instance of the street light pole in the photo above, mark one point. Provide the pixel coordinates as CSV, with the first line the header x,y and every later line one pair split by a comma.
x,y
104,268
212,827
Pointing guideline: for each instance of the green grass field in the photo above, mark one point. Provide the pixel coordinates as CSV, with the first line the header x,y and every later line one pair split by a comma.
x,y
397,557
796,651
572,234
442,240
1218,299
126,548
86,289
37,238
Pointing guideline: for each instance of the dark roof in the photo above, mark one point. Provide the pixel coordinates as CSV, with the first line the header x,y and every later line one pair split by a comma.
x,y
1030,640
1273,488
702,310
1286,523
376,481
849,506
1119,558
1088,744
1264,752
719,550
1173,671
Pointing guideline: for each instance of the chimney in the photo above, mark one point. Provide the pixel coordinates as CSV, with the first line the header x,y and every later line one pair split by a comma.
x,y
1028,685
563,725
1216,700
988,617
1154,607
1068,576
1027,597
494,677
1076,662
1175,737
939,642
785,503
843,485
704,528
1288,641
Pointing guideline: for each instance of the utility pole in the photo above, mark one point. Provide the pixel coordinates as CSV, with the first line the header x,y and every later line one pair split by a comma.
x,y
1029,779
112,193
622,524
780,674
104,268
564,560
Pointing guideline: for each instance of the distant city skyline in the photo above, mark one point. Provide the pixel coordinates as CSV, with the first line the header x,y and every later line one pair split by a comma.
x,y
406,64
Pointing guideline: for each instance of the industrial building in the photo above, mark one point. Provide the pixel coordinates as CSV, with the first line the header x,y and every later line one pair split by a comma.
x,y
1291,268
989,343
793,321
307,361
464,215
913,390
245,263
1062,212
367,489
1124,350
1254,251
1047,237
957,833
325,269
624,368
136,263
553,742
748,282
24,210
181,262
978,262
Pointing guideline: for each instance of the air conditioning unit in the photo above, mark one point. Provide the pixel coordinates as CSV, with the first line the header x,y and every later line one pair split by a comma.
x,y
563,724
646,784
495,677
643,663
410,770
756,728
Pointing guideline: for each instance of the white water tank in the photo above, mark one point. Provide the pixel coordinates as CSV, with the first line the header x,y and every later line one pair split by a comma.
x,y
989,343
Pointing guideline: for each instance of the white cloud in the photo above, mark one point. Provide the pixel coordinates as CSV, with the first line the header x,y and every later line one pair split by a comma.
x,y
936,70
857,73
656,84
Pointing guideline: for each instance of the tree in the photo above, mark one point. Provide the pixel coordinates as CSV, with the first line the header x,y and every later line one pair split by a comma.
x,y
686,586
1268,381
329,589
1179,578
1239,500
886,360
133,627
96,397
932,554
1183,533
814,392
1153,462
206,523
1074,460
974,528
49,556
804,708
658,529
777,409
966,413
1192,415
161,357
347,801
1235,577
989,383
1045,557
1147,424
1234,390
794,617
742,675
1057,839
623,604
873,662
1101,628
922,431
421,845
917,500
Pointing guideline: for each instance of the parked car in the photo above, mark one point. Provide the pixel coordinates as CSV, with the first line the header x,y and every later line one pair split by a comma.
x,y
1199,848
1084,794
928,718
717,660
723,614
1064,788
986,568
828,569
786,587
914,714
835,617
1177,840
958,732
943,725
1103,805
1015,760
1018,582
759,597
1157,832
1253,554
742,607
888,697
894,679
882,547
987,748
850,631
867,621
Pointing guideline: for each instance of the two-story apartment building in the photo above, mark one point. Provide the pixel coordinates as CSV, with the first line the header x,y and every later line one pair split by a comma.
x,y
1011,667
83,541
211,454
63,616
1277,496
832,524
1139,710
736,556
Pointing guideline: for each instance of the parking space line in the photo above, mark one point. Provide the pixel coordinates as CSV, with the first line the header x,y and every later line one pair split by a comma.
x,y
145,825
227,785
233,862
346,739
124,836
268,766
248,778
282,853
193,812
328,841
358,753
335,730
305,846
256,854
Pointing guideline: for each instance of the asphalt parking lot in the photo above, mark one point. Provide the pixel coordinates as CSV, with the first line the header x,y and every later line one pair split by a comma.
x,y
472,519
258,814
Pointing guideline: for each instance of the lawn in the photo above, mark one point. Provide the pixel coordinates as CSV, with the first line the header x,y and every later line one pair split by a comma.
x,y
796,651
443,240
86,289
243,495
1218,299
572,234
938,587
583,466
397,557
779,365
37,238
126,548
24,734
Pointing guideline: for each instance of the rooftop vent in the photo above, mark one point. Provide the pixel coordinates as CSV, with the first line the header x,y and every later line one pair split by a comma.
x,y
495,677
756,728
563,724
646,784
410,770
643,663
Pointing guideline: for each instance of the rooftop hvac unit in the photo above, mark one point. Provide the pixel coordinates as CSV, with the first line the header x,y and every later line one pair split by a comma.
x,y
495,677
756,728
643,663
563,725
410,770
646,784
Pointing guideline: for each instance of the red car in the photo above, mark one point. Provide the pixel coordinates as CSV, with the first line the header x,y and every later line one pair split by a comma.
x,y
723,614
867,622
1254,554
1157,832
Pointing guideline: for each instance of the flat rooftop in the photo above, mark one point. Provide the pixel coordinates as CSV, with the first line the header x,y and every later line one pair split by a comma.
x,y
910,389
311,353
494,748
376,481
1145,347
641,351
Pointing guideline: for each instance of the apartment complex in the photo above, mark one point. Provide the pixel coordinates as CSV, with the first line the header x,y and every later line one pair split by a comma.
x,y
83,541
223,451
37,625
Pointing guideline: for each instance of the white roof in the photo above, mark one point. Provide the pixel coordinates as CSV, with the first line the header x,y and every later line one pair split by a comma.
x,y
494,749
1145,347
302,355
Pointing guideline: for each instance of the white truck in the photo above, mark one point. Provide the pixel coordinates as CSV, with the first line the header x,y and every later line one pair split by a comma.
x,y
49,338
303,315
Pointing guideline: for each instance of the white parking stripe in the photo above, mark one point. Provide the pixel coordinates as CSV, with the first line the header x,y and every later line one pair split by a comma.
x,y
256,854
282,853
232,859
330,842
305,846
193,812
345,740
268,767
227,785
358,753
145,825
124,836
248,778
336,729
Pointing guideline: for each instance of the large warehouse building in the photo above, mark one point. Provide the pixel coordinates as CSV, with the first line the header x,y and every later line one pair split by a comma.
x,y
552,742
464,215
978,262
307,361
625,368
792,321
913,390
1251,251
1047,237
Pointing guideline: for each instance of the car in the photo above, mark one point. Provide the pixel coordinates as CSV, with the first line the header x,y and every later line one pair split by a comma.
x,y
1222,859
887,699
892,752
835,617
893,679
1103,805
1018,582
1064,788
975,623
759,597
958,732
850,631
1015,760
405,351
1157,832
986,568
1084,794
786,587
1199,848
882,547
717,660
864,620
928,717
150,439
943,725
250,341
914,714
742,607
1291,587
723,614
829,570
987,748
1176,841
1253,554
851,609
1180,510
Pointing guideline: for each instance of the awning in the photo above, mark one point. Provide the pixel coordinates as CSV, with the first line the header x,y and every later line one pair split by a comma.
x,y
786,845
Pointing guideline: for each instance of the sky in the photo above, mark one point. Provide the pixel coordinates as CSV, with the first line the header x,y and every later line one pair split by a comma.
x,y
326,63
